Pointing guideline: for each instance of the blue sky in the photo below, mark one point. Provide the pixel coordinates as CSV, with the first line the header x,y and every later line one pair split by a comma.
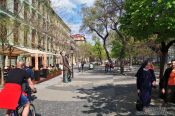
x,y
70,12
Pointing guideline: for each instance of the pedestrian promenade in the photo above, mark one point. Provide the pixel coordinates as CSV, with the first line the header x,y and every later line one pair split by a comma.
x,y
95,93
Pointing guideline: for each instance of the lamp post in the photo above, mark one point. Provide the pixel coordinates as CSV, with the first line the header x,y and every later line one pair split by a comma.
x,y
72,52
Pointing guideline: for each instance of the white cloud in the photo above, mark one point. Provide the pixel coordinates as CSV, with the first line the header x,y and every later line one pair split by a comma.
x,y
74,27
68,10
63,4
70,4
87,2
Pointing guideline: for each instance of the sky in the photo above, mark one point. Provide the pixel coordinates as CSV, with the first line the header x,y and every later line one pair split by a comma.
x,y
70,12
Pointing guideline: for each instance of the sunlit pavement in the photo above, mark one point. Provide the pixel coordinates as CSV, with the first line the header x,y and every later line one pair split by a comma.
x,y
94,93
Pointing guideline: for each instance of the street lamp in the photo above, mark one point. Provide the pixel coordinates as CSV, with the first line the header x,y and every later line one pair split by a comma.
x,y
72,52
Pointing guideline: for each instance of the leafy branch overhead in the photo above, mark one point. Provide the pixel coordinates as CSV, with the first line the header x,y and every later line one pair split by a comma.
x,y
146,19
149,17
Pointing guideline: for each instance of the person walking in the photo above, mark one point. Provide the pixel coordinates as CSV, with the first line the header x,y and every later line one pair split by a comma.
x,y
145,80
106,66
82,65
79,66
168,83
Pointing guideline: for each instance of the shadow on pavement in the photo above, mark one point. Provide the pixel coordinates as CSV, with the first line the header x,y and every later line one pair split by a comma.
x,y
110,100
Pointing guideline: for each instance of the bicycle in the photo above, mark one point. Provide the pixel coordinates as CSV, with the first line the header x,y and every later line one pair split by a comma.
x,y
19,109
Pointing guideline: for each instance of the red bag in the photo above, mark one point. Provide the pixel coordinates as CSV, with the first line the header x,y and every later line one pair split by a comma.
x,y
9,96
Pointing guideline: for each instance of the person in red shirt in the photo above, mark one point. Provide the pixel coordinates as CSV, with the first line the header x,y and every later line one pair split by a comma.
x,y
168,83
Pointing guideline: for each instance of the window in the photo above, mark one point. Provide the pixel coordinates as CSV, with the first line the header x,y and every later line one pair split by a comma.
x,y
33,38
25,36
33,15
25,11
39,4
34,3
16,5
3,33
16,35
44,42
3,3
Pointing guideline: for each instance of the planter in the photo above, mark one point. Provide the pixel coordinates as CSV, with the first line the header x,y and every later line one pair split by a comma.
x,y
45,73
50,76
37,75
54,74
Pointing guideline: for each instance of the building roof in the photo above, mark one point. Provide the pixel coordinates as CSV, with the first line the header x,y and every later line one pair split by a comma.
x,y
78,37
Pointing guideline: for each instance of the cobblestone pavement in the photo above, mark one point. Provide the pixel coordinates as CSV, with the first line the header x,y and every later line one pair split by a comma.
x,y
94,93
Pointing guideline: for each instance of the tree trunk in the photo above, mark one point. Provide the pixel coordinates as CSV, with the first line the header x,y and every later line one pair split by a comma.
x,y
122,57
107,53
130,61
163,60
3,65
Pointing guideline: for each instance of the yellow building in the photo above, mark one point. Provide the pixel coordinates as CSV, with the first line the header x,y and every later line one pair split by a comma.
x,y
79,39
30,30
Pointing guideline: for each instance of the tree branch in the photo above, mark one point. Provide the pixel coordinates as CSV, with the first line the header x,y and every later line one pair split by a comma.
x,y
170,44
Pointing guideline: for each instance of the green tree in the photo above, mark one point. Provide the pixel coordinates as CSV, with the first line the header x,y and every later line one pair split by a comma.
x,y
151,18
84,51
98,51
96,20
116,48
104,17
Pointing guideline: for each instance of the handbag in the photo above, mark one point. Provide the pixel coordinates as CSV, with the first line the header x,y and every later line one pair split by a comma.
x,y
139,104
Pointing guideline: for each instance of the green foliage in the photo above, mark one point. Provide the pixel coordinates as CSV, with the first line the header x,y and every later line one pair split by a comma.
x,y
85,50
145,18
98,50
116,48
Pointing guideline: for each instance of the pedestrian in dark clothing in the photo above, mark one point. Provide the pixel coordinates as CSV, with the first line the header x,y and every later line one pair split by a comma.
x,y
29,71
106,66
168,83
145,81
111,67
82,65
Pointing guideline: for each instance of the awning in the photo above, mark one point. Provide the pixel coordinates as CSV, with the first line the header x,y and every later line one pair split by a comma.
x,y
50,53
30,51
15,51
12,51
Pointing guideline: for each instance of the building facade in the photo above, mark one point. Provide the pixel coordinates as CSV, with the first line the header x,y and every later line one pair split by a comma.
x,y
79,40
30,30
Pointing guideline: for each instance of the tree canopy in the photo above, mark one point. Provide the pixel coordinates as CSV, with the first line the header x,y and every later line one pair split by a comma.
x,y
145,18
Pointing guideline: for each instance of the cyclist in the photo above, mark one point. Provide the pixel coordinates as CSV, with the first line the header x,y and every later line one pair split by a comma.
x,y
11,94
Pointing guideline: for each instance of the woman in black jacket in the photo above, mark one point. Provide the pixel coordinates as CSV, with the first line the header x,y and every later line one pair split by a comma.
x,y
168,83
